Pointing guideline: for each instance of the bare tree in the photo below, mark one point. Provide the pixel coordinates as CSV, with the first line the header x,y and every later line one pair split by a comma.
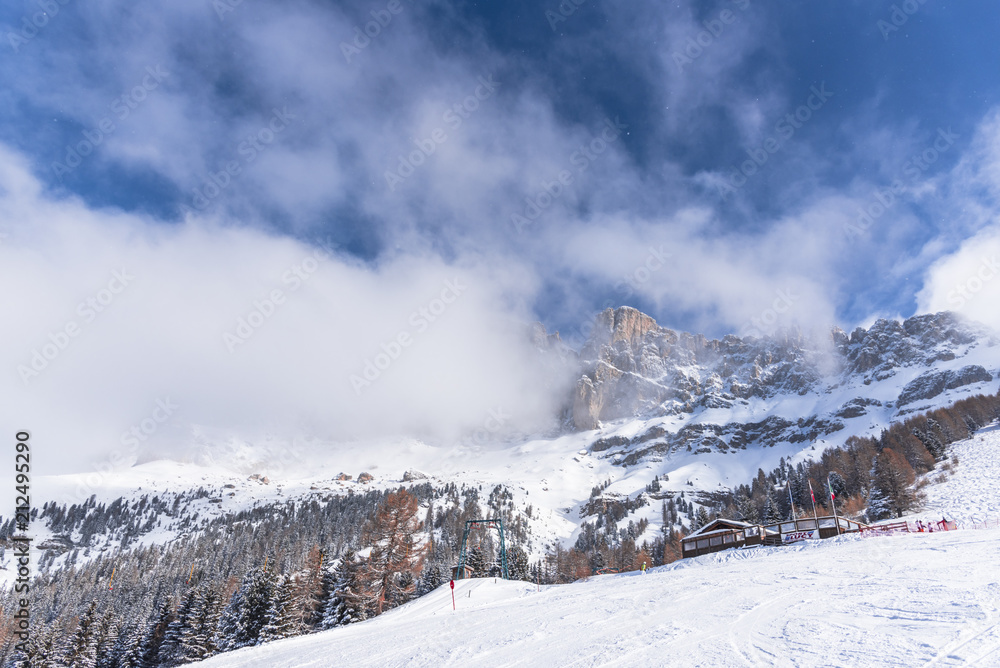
x,y
388,575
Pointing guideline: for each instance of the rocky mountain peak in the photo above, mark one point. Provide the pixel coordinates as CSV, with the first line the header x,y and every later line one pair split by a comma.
x,y
623,325
633,367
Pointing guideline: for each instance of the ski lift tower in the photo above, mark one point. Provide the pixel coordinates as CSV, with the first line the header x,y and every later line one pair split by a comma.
x,y
464,553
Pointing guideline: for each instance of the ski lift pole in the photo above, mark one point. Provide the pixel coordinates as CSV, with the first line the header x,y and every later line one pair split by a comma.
x,y
190,574
111,582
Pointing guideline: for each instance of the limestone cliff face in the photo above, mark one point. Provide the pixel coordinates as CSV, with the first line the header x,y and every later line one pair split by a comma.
x,y
632,367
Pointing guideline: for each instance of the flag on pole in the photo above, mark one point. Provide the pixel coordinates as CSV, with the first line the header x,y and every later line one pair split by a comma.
x,y
811,493
833,502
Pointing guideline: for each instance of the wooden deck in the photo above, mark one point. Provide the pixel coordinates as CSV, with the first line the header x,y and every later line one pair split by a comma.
x,y
710,539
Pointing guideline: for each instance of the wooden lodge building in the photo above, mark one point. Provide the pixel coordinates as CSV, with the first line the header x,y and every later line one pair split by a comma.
x,y
722,534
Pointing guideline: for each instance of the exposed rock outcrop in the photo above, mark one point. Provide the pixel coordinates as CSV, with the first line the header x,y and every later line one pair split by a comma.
x,y
933,383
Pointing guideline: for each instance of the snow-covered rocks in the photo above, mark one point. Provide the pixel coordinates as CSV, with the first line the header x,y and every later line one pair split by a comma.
x,y
933,383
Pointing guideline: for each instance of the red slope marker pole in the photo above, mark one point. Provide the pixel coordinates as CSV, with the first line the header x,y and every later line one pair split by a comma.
x,y
452,594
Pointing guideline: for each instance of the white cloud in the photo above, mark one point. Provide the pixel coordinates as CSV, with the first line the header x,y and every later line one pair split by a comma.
x,y
165,297
965,274
967,281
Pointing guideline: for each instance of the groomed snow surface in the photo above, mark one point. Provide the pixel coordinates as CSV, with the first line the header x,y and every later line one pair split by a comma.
x,y
905,600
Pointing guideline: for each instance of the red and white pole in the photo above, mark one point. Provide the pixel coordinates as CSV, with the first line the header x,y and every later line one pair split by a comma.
x,y
452,594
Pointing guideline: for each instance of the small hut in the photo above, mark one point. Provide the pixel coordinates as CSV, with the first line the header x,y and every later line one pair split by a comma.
x,y
466,572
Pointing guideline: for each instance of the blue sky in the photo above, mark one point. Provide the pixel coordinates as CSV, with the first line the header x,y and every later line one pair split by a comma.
x,y
565,158
689,120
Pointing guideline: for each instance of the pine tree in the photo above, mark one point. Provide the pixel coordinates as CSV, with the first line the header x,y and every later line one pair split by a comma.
x,y
126,651
43,651
800,487
199,641
344,606
838,484
107,640
282,620
405,590
746,509
433,576
246,614
597,562
149,648
171,651
893,477
771,513
309,592
476,562
82,651
517,563
701,517
878,505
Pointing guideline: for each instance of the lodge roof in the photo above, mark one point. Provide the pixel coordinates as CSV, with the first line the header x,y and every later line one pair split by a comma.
x,y
721,523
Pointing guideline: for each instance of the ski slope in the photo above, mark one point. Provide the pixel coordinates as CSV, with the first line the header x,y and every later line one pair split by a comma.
x,y
910,600
970,493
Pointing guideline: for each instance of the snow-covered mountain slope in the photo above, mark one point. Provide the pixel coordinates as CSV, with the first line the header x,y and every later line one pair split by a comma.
x,y
738,405
899,601
967,488
905,600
